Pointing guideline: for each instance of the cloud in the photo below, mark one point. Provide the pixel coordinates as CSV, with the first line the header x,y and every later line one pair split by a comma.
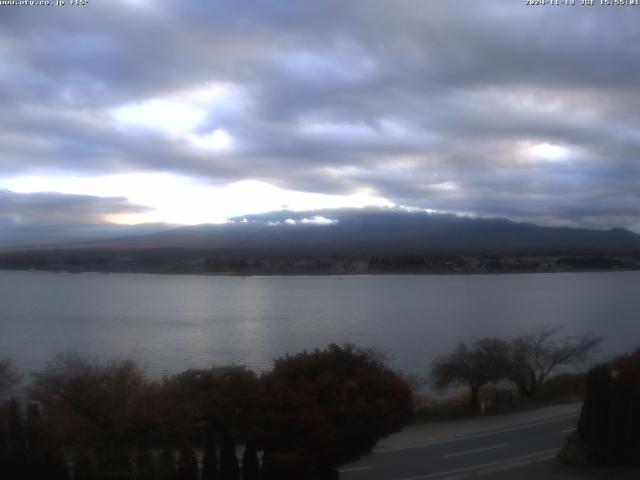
x,y
56,208
488,108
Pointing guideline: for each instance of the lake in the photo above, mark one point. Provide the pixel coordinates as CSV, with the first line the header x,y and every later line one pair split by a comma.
x,y
169,323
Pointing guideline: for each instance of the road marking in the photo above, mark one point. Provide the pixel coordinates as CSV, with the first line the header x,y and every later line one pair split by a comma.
x,y
479,435
477,450
567,430
459,477
509,466
514,460
354,469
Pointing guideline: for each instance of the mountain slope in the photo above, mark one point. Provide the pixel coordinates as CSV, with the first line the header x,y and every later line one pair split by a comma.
x,y
370,231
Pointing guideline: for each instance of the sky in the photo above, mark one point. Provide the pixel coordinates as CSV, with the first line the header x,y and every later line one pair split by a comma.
x,y
187,112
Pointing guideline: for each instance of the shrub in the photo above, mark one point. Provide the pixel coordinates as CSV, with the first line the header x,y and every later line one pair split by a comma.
x,y
329,407
610,417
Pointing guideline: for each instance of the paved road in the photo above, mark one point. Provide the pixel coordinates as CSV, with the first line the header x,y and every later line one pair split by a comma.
x,y
480,454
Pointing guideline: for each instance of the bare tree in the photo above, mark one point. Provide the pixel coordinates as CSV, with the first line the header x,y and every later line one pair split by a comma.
x,y
536,354
485,361
9,378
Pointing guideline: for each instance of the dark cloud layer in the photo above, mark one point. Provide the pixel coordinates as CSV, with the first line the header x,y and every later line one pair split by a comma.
x,y
52,218
50,208
490,108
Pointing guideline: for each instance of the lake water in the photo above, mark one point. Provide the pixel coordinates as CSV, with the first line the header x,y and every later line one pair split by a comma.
x,y
169,323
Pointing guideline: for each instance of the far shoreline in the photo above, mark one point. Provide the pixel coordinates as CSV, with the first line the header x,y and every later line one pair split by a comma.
x,y
322,274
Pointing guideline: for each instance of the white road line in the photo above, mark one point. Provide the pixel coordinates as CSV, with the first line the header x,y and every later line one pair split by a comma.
x,y
477,450
567,430
459,477
479,435
514,460
509,466
354,469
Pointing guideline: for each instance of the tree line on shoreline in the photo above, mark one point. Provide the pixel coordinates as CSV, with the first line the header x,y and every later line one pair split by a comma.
x,y
206,263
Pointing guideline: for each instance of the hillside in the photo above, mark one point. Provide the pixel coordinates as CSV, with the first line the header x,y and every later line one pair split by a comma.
x,y
352,235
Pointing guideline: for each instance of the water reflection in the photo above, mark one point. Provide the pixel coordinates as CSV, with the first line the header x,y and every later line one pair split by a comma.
x,y
169,323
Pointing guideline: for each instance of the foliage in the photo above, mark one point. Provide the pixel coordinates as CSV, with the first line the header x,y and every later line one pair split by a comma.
x,y
250,463
313,411
146,468
486,360
84,465
610,417
209,458
187,464
221,399
167,468
15,428
91,405
625,408
329,407
24,453
9,378
593,425
627,367
229,468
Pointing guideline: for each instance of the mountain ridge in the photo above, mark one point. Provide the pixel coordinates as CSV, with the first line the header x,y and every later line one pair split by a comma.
x,y
364,231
